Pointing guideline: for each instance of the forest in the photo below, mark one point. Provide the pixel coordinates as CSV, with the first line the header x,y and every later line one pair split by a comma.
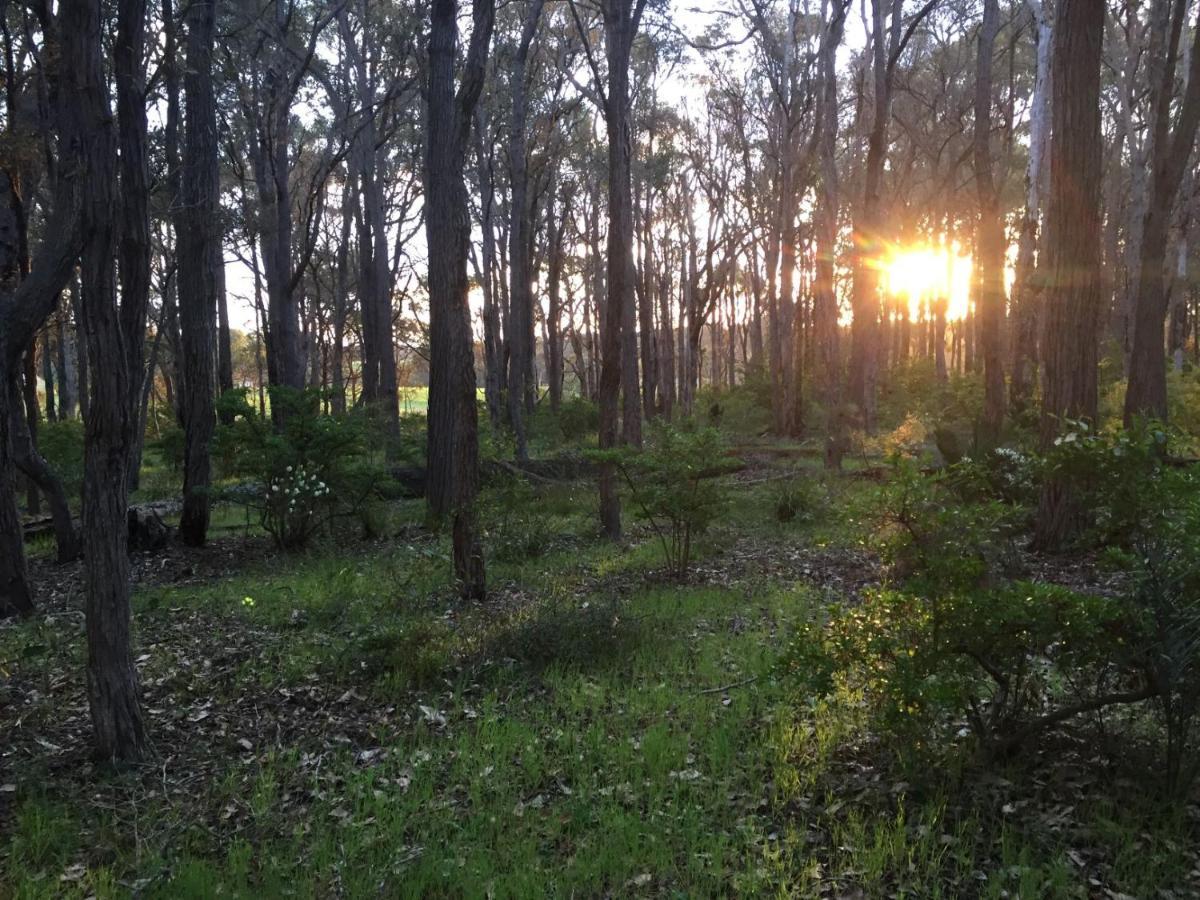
x,y
600,448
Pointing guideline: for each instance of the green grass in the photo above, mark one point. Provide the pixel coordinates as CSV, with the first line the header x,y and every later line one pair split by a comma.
x,y
569,738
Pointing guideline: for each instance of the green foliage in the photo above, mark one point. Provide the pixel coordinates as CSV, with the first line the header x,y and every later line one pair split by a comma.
x,y
914,389
741,410
1120,477
674,484
518,528
61,445
303,473
578,419
564,632
995,658
936,540
800,500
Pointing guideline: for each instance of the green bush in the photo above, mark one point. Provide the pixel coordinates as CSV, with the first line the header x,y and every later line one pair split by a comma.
x,y
1117,476
937,540
578,419
675,485
741,410
304,472
1004,661
800,500
61,445
517,526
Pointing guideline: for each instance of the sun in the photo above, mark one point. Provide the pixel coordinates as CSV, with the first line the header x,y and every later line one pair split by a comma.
x,y
923,272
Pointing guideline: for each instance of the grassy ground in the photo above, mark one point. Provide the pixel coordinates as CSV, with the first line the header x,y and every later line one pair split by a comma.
x,y
337,723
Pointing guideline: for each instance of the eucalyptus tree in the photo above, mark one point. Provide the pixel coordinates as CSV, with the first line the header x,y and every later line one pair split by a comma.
x,y
200,260
991,242
453,451
1071,247
270,63
1171,145
621,20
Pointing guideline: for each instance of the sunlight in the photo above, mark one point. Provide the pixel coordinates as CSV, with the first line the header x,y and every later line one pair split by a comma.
x,y
921,272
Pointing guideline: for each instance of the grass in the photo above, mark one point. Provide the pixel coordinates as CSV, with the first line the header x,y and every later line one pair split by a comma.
x,y
592,731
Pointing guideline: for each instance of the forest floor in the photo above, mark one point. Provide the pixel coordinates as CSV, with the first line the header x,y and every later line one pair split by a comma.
x,y
337,723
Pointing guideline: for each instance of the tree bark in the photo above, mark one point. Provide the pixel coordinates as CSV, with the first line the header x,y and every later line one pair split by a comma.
x,y
453,422
1024,302
1073,292
1146,394
113,692
991,242
199,259
520,292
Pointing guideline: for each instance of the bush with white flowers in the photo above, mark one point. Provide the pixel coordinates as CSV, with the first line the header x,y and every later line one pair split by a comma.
x,y
295,505
302,471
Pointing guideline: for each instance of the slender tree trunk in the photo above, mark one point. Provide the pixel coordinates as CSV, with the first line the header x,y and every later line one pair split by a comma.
x,y
453,452
199,259
992,243
828,368
1074,290
1024,295
554,339
113,692
492,335
1147,391
520,320
620,26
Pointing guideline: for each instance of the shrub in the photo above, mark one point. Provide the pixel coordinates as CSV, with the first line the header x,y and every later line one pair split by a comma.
x,y
1118,476
561,631
61,445
303,473
674,484
578,419
799,500
519,528
741,410
938,541
1001,659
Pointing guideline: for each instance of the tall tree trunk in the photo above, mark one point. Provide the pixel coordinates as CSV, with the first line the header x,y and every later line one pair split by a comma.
x,y
1024,302
68,378
113,692
453,452
48,377
199,258
492,336
828,368
991,240
554,340
621,20
1071,247
520,320
1147,391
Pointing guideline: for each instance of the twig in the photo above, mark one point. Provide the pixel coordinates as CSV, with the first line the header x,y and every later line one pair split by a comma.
x,y
729,687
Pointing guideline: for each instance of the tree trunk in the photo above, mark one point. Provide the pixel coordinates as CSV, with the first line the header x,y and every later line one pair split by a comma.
x,y
620,26
520,319
492,336
199,258
991,241
1024,295
1147,391
1073,293
113,692
828,368
453,423
554,339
